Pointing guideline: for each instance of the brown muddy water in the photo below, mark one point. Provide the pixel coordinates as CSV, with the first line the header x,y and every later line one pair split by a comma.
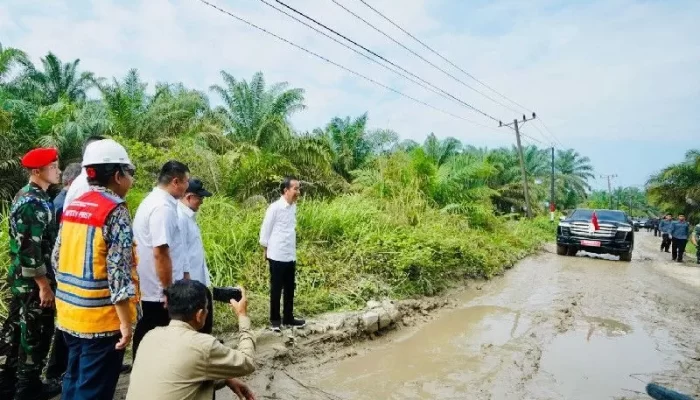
x,y
553,327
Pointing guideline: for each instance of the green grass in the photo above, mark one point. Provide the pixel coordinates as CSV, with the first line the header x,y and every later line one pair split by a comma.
x,y
352,249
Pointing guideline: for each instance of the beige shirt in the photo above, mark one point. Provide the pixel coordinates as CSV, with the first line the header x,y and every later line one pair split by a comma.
x,y
177,362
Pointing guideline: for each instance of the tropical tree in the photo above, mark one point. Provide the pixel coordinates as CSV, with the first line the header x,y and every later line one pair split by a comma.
x,y
440,151
255,114
347,141
676,188
10,58
572,174
55,81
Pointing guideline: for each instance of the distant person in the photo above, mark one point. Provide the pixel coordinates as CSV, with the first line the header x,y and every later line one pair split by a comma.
x,y
80,184
656,227
679,238
695,239
159,246
98,295
178,362
69,174
665,229
27,331
279,242
194,258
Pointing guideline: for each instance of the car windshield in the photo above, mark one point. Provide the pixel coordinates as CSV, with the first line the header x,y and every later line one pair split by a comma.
x,y
607,215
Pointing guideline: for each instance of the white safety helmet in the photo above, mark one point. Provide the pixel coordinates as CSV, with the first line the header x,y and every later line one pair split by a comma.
x,y
105,151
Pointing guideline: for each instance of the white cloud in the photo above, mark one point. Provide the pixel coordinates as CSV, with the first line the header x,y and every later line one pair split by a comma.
x,y
600,71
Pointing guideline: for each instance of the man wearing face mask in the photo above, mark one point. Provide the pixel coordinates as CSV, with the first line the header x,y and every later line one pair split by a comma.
x,y
178,362
26,334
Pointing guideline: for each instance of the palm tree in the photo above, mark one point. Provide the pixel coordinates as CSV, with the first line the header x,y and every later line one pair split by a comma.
x,y
56,81
572,174
254,113
676,188
440,151
9,58
347,142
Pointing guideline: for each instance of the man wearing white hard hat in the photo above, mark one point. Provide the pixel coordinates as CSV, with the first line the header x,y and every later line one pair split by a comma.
x,y
80,184
97,298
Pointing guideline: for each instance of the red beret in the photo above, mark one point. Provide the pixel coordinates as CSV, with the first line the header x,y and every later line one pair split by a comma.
x,y
40,157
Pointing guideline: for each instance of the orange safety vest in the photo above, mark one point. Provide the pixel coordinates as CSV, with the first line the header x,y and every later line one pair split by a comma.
x,y
83,301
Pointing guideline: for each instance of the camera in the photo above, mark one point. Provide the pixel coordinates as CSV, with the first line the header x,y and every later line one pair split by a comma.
x,y
225,294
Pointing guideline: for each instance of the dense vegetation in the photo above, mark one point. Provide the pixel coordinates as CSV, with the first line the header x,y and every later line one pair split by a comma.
x,y
631,199
379,216
676,188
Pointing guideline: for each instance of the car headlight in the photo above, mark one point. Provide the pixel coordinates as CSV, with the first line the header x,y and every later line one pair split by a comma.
x,y
564,225
624,229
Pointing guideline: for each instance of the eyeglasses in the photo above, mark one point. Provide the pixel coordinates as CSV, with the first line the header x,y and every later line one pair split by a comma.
x,y
131,171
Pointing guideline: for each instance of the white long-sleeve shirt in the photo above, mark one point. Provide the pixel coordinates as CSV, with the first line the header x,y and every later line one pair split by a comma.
x,y
278,231
194,258
79,187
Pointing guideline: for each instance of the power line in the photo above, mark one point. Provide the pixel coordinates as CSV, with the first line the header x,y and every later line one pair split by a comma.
x,y
341,66
355,50
386,60
441,56
422,58
453,64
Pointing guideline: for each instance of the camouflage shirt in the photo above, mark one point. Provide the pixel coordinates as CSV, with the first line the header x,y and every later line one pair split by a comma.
x,y
33,231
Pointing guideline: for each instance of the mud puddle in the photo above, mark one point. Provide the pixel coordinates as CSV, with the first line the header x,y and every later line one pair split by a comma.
x,y
552,328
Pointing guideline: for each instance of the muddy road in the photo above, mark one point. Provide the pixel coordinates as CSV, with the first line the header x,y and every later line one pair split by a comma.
x,y
584,327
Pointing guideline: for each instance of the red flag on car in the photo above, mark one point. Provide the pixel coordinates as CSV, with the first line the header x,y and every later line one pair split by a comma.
x,y
594,221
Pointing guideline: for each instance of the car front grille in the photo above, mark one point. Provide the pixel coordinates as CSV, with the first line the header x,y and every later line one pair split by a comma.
x,y
582,229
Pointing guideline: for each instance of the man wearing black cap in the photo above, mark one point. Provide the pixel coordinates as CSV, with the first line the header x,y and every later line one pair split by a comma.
x,y
195,261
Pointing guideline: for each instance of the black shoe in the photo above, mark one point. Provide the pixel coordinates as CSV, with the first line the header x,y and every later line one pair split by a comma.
x,y
275,326
295,323
673,259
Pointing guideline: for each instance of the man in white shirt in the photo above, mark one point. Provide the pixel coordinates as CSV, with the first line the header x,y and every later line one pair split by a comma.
x,y
80,185
159,246
278,239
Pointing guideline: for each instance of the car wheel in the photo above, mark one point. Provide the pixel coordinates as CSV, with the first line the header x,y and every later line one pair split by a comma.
x,y
572,252
627,256
562,250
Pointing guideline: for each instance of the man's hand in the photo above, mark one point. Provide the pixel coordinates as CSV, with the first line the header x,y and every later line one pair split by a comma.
x,y
126,336
265,254
240,307
46,297
240,389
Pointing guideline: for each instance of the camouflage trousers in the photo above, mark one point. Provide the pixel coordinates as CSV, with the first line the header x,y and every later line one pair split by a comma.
x,y
25,340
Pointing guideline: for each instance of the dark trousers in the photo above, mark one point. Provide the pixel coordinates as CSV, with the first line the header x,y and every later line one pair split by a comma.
x,y
154,315
58,358
678,248
209,323
665,242
93,368
25,340
282,279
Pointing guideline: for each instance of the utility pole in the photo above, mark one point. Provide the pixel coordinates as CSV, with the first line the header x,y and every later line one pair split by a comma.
x,y
552,205
522,160
609,188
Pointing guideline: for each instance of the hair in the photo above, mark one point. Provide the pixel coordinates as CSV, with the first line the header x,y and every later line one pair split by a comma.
x,y
171,170
71,172
185,298
91,139
104,172
287,183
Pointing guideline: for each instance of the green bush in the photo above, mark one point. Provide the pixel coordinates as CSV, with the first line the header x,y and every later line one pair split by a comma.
x,y
353,248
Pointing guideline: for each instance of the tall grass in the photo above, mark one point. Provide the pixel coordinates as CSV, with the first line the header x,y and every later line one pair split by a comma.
x,y
354,248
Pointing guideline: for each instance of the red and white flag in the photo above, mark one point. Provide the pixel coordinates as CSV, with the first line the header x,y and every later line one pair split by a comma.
x,y
594,222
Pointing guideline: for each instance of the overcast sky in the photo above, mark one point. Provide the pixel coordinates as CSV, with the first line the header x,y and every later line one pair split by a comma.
x,y
617,80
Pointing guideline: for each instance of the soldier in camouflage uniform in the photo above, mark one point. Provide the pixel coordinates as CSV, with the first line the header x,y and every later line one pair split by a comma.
x,y
695,239
26,334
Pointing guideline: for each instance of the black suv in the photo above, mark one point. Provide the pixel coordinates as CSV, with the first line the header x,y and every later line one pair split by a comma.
x,y
614,236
